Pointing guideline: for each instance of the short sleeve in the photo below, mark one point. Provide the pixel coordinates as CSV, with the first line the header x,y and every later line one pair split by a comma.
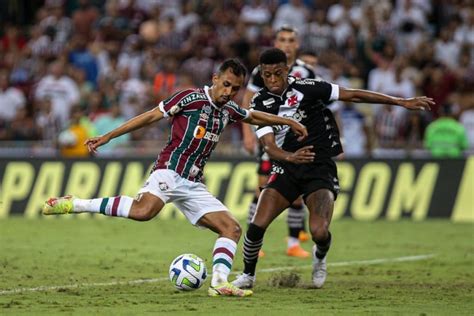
x,y
174,104
322,90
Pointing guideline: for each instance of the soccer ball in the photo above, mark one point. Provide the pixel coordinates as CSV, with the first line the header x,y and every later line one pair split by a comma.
x,y
188,272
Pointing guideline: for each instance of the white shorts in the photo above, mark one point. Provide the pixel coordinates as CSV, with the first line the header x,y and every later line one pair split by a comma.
x,y
191,198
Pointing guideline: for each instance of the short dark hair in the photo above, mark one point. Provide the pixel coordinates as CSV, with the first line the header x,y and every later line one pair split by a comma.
x,y
235,65
273,56
286,28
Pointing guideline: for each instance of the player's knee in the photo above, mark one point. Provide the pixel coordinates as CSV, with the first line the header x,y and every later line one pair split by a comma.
x,y
232,230
319,232
142,213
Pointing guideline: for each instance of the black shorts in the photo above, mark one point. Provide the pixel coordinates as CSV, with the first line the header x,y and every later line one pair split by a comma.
x,y
293,180
264,163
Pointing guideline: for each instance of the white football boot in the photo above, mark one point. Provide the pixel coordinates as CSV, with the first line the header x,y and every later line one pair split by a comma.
x,y
244,281
319,270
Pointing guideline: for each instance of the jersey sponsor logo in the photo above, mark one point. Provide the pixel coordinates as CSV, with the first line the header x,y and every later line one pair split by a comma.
x,y
268,102
174,109
193,97
306,81
298,115
201,133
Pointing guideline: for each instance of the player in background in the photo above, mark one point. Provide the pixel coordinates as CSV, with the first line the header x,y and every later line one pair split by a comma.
x,y
198,117
286,39
306,101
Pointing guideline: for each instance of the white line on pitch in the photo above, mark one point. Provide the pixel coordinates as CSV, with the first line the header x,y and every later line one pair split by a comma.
x,y
142,281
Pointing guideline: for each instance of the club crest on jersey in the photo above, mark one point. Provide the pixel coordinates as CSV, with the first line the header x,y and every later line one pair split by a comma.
x,y
200,133
163,186
292,101
207,109
225,117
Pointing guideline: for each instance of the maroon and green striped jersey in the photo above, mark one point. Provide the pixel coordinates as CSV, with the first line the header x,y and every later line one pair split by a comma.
x,y
196,125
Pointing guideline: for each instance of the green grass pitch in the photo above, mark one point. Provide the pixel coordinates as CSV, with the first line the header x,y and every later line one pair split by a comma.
x,y
76,266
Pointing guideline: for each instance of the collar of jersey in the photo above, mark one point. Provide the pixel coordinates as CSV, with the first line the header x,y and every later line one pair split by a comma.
x,y
206,91
290,80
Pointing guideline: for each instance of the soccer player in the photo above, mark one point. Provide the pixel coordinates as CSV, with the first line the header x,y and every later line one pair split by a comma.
x,y
198,117
305,100
286,39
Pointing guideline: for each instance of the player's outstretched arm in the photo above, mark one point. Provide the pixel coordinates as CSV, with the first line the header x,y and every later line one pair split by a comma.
x,y
264,119
302,155
366,96
135,123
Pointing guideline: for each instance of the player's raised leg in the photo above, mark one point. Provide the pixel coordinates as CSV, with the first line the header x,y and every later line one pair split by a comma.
x,y
270,204
320,204
145,207
229,231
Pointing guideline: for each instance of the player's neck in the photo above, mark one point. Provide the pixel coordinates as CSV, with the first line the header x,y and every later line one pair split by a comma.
x,y
291,62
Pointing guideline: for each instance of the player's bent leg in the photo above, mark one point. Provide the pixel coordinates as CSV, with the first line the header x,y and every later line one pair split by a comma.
x,y
146,207
229,231
320,205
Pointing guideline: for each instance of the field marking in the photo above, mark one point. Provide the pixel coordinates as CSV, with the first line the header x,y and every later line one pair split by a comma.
x,y
143,281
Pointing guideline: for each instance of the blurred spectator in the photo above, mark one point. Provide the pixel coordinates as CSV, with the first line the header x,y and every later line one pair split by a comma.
x,y
294,13
107,121
317,34
200,66
71,140
81,57
23,127
388,128
446,137
355,129
467,120
439,84
48,124
342,18
84,19
12,40
133,94
11,98
166,79
131,56
58,25
62,90
446,49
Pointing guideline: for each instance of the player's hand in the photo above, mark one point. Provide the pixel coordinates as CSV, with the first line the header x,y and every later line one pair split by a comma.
x,y
302,155
418,103
94,142
300,130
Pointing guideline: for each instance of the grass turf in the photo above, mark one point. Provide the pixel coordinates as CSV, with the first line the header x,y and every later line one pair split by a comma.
x,y
62,252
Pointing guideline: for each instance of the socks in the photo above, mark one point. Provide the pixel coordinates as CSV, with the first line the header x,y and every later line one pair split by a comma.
x,y
222,259
295,220
253,242
114,206
322,248
252,210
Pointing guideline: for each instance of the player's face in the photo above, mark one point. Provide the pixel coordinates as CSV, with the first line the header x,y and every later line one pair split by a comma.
x,y
275,77
287,42
225,86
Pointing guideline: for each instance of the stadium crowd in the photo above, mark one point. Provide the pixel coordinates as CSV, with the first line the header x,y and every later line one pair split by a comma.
x,y
83,67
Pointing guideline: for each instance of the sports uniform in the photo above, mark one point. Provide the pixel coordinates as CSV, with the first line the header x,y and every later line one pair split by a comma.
x,y
196,125
298,70
304,100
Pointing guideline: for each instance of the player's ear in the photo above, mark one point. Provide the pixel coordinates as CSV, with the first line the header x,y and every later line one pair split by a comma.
x,y
215,76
